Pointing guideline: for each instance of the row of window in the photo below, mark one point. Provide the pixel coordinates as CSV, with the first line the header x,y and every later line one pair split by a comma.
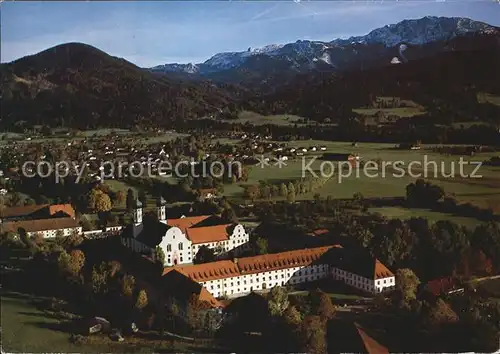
x,y
180,246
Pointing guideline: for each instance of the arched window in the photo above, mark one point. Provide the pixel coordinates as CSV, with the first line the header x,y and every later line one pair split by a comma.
x,y
169,247
180,246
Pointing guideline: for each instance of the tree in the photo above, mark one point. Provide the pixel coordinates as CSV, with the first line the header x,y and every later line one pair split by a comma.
x,y
15,199
261,245
127,285
159,255
92,198
407,284
142,300
312,335
29,201
195,312
143,197
119,197
38,238
100,276
292,316
114,268
130,201
441,313
252,192
204,255
59,234
76,263
74,239
321,305
103,203
277,300
99,201
229,216
283,190
266,192
363,235
487,238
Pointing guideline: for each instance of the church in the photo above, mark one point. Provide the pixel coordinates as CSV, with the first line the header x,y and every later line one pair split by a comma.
x,y
180,239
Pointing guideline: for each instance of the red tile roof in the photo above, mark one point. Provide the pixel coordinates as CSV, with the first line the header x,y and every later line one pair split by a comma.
x,y
207,297
179,284
381,271
274,261
40,225
207,234
186,222
371,345
65,208
318,232
20,211
207,271
249,265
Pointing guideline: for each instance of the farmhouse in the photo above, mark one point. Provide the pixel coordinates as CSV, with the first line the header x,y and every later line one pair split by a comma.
x,y
45,227
45,220
242,276
30,212
180,239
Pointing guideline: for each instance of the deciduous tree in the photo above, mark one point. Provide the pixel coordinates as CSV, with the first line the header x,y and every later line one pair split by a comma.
x,y
278,300
142,300
312,335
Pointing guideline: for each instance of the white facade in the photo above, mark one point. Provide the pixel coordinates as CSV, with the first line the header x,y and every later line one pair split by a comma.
x,y
179,249
177,246
362,283
245,283
53,233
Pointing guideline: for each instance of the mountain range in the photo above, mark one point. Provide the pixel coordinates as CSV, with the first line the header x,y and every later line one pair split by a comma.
x,y
441,63
380,46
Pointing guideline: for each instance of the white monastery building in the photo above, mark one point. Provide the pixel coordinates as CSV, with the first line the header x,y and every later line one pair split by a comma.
x,y
259,273
180,239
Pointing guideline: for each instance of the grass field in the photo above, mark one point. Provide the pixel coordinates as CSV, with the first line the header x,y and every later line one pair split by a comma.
x,y
400,112
483,192
6,137
257,119
26,329
484,97
432,216
411,109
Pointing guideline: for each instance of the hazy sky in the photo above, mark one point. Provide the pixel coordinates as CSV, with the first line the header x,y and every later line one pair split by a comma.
x,y
152,33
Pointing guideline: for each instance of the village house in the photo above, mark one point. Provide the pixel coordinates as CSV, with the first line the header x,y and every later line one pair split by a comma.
x,y
207,193
20,213
242,276
442,286
180,239
45,220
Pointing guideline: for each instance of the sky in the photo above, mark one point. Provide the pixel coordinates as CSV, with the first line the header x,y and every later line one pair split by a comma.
x,y
159,32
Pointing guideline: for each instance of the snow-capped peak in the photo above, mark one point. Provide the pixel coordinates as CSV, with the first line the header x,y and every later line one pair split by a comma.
x,y
413,31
